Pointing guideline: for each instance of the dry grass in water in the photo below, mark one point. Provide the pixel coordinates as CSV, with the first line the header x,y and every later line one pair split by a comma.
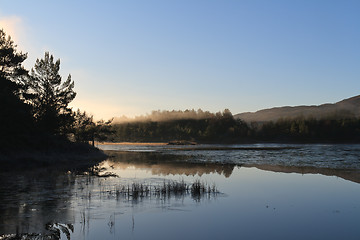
x,y
136,191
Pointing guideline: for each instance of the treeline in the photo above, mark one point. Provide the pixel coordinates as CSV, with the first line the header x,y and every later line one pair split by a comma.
x,y
34,111
335,129
223,128
218,127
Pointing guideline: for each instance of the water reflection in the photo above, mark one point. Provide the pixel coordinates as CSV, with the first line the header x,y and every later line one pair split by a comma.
x,y
347,174
165,164
159,163
44,204
29,200
153,193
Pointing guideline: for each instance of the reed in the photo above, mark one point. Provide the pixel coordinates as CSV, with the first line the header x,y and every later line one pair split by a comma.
x,y
167,189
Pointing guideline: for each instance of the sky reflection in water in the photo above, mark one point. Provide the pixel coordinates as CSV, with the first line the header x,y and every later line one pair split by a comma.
x,y
254,204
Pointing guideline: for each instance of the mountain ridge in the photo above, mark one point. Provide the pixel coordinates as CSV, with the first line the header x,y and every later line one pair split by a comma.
x,y
349,107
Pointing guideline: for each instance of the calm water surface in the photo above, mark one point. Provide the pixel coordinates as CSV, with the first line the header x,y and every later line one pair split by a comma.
x,y
265,192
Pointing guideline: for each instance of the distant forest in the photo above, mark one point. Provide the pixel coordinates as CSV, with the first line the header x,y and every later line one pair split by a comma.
x,y
199,126
222,127
308,130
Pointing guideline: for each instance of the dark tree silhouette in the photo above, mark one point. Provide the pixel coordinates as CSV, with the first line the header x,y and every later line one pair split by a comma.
x,y
50,105
11,62
15,115
83,126
86,130
101,130
34,113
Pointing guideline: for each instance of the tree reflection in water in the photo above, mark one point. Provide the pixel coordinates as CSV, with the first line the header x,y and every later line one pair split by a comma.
x,y
39,204
47,203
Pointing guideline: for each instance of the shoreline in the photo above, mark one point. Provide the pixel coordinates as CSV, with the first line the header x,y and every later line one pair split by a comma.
x,y
69,157
133,143
225,143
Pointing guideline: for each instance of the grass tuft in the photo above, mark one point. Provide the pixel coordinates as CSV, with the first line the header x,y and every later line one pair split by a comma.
x,y
167,189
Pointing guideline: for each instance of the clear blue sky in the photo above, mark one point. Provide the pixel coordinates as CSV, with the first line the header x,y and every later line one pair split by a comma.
x,y
132,57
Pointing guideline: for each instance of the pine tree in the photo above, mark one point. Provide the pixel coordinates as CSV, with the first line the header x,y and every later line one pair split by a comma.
x,y
11,61
50,105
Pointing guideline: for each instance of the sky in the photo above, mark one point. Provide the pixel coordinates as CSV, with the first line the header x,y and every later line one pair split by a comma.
x,y
132,57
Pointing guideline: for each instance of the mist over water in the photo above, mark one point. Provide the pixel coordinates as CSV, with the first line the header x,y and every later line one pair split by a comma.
x,y
165,115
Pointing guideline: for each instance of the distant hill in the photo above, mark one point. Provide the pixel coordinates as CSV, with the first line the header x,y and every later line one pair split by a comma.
x,y
344,108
